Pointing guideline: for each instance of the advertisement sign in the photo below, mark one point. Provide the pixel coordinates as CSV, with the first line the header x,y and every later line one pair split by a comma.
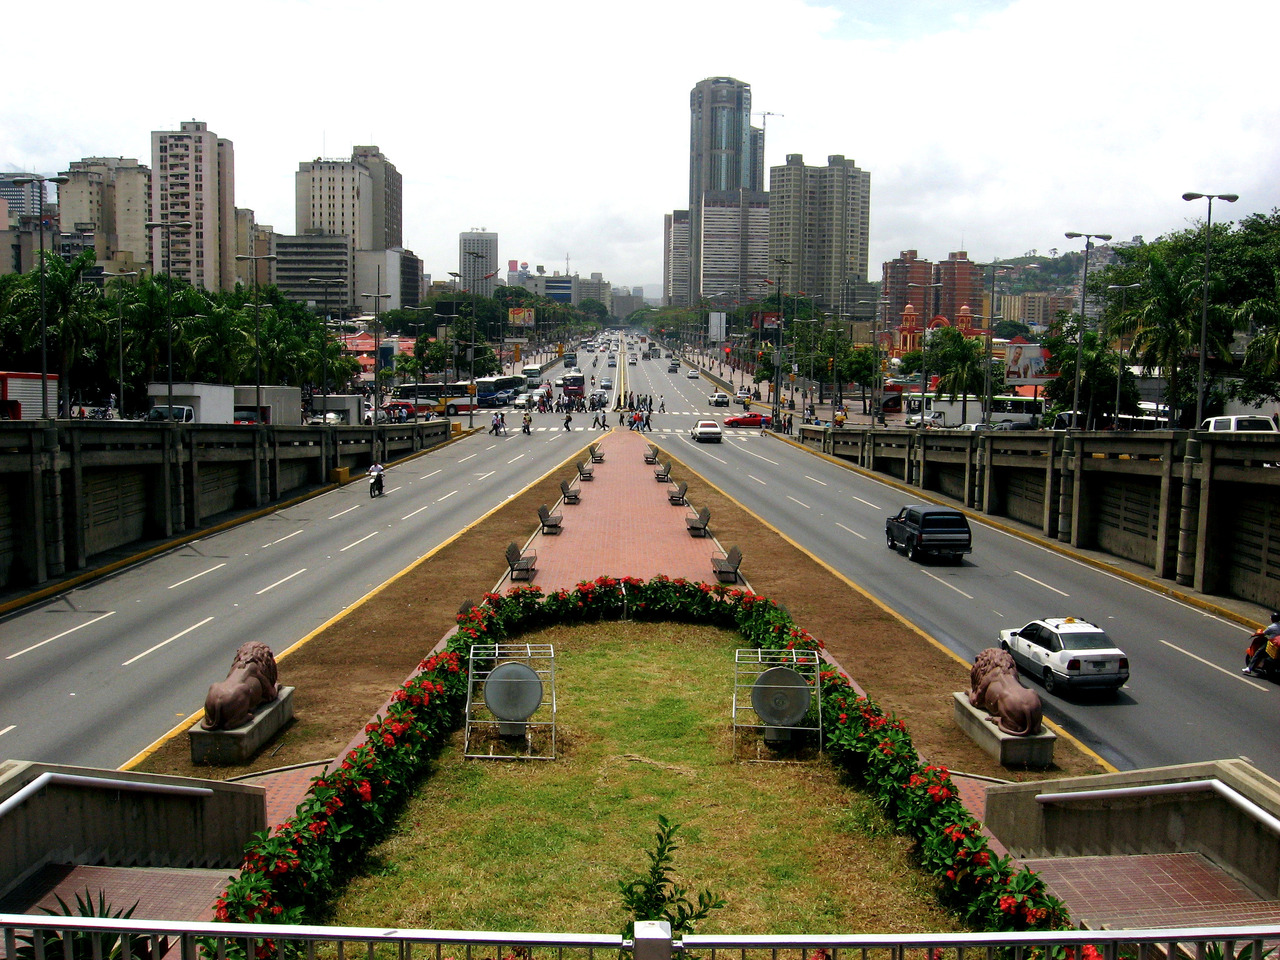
x,y
715,323
1025,363
767,321
520,316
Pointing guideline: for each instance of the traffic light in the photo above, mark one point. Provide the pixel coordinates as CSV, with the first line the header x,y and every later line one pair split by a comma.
x,y
831,364
727,349
759,355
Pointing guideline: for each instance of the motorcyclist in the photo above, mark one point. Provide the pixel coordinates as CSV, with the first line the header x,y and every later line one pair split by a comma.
x,y
1266,643
376,470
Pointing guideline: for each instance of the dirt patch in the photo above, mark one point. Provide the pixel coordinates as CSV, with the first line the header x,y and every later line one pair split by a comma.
x,y
344,674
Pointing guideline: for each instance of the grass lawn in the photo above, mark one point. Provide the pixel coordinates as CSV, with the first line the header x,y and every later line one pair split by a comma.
x,y
643,728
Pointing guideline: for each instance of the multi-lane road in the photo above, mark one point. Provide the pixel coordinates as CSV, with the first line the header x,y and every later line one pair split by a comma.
x,y
95,674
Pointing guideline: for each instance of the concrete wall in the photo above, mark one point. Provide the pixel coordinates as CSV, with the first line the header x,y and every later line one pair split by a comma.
x,y
1188,822
109,826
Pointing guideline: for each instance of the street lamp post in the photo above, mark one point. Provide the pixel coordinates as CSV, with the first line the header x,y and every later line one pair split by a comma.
x,y
990,321
377,299
120,334
1124,288
1204,290
44,323
167,227
777,360
1084,287
476,256
417,333
257,329
924,347
324,340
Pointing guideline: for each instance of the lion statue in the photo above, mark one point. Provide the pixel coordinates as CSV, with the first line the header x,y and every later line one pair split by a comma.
x,y
995,688
251,682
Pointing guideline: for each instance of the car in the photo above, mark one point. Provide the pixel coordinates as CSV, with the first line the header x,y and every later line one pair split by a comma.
x,y
328,417
718,399
1067,653
1240,424
559,381
524,401
930,418
612,362
692,374
926,530
673,368
707,430
975,427
394,408
631,360
606,383
242,416
749,420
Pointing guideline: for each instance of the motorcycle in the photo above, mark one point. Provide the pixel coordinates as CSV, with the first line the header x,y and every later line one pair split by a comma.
x,y
375,485
1268,665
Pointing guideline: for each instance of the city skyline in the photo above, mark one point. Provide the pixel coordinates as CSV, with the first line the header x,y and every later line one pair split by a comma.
x,y
1038,120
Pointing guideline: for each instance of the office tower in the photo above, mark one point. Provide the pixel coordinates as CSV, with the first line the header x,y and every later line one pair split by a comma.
x,y
735,243
961,281
359,198
819,220
193,179
475,270
24,200
725,157
319,256
896,290
110,199
675,258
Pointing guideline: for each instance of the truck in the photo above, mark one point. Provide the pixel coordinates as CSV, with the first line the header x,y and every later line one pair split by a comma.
x,y
925,530
20,395
193,402
281,406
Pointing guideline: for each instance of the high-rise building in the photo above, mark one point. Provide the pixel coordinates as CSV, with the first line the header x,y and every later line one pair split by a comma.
x,y
961,281
360,198
897,290
726,156
819,221
24,200
735,242
318,256
675,258
477,271
193,179
110,198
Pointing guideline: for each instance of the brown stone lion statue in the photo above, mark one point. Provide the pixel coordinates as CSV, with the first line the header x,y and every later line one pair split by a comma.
x,y
995,688
251,682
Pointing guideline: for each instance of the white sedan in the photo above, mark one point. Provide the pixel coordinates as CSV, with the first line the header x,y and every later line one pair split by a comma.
x,y
707,430
1067,653
692,374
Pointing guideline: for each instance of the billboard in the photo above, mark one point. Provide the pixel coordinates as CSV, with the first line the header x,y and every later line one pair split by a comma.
x,y
715,326
520,316
1025,363
766,321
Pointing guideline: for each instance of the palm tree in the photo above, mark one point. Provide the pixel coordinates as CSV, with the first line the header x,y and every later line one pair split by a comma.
x,y
966,372
1166,328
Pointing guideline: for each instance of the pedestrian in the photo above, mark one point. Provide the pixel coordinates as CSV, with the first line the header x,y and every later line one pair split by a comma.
x,y
502,422
568,419
662,403
648,424
595,421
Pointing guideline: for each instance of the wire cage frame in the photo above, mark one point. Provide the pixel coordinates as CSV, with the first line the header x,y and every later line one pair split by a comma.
x,y
754,677
519,681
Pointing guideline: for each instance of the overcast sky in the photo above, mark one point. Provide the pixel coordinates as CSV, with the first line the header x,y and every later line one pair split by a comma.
x,y
991,126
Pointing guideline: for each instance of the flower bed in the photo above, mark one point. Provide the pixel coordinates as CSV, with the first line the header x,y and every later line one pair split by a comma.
x,y
307,858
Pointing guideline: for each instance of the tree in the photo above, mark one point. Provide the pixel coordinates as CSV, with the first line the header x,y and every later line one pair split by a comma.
x,y
964,362
860,368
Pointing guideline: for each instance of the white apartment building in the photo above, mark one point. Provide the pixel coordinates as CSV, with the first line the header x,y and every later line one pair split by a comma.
x,y
358,198
193,179
477,258
110,198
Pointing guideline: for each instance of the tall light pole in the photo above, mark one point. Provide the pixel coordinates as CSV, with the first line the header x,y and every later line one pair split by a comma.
x,y
475,256
257,328
167,227
377,299
44,323
1124,288
990,320
877,415
1084,287
417,333
924,345
324,340
777,360
120,332
1204,290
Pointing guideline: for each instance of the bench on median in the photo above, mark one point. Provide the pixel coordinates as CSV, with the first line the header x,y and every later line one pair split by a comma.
x,y
663,473
585,472
651,455
726,565
597,455
550,521
697,526
521,562
676,493
570,494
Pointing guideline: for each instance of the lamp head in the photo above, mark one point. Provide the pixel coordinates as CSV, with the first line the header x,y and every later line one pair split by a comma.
x,y
1229,197
1193,196
1072,235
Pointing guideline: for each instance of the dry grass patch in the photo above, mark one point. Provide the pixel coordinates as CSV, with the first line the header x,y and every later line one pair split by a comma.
x,y
643,729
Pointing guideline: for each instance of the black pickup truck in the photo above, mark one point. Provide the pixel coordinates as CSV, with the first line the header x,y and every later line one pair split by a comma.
x,y
928,531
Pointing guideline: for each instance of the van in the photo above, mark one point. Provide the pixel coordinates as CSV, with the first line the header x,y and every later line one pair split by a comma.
x,y
1253,423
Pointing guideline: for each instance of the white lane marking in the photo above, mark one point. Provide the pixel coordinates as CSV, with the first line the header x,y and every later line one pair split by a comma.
x,y
392,490
717,459
757,480
945,584
759,457
196,576
446,496
281,540
358,542
341,512
794,500
1230,673
60,635
847,530
486,476
868,503
278,582
429,475
465,459
816,480
194,626
521,457
415,513
7,729
1041,583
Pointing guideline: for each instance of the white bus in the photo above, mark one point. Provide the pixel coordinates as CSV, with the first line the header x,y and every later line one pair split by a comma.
x,y
1004,409
532,375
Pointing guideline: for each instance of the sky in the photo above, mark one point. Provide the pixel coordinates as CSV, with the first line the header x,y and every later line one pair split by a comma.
x,y
990,126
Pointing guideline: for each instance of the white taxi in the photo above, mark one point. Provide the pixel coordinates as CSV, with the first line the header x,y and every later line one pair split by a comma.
x,y
1067,653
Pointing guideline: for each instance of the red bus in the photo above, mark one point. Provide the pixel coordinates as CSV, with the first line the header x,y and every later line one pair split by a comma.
x,y
575,385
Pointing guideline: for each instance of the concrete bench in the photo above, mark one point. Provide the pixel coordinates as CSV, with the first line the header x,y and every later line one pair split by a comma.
x,y
521,563
697,526
663,473
597,455
676,493
651,455
726,565
570,494
585,472
550,521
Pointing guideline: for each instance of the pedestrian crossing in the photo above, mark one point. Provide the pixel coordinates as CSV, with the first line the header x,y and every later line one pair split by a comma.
x,y
728,431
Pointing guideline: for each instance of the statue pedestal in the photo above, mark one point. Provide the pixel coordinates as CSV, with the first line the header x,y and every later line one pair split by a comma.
x,y
242,742
1009,750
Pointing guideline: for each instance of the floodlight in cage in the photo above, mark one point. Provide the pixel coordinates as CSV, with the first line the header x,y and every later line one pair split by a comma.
x,y
511,702
778,692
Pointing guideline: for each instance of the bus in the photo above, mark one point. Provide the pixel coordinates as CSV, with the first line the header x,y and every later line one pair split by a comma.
x,y
444,399
490,390
532,375
570,360
575,385
1004,409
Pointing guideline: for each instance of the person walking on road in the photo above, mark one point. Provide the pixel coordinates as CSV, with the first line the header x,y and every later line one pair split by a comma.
x,y
568,419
